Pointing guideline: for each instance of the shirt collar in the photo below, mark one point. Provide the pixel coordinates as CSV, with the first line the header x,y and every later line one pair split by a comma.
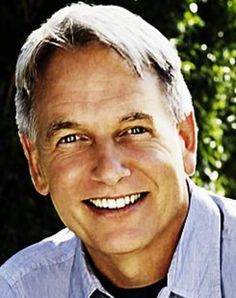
x,y
195,267
83,282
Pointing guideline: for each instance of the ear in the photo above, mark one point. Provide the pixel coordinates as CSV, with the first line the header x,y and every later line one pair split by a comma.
x,y
36,173
188,134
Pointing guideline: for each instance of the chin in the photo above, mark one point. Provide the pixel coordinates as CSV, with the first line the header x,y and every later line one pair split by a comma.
x,y
124,244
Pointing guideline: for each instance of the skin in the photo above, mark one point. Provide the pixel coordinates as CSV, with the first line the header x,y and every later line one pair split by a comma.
x,y
105,132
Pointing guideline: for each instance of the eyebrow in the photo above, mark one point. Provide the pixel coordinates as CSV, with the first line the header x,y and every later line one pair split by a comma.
x,y
59,125
136,116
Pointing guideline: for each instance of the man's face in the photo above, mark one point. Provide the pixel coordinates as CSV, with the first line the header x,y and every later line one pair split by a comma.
x,y
108,151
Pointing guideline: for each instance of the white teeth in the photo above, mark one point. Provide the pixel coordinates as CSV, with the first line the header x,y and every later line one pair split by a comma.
x,y
120,203
96,203
132,199
104,203
99,203
111,204
127,200
115,203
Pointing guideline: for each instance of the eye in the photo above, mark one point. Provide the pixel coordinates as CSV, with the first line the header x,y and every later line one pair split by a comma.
x,y
137,130
71,138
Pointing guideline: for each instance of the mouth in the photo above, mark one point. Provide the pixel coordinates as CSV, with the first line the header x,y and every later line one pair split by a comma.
x,y
117,203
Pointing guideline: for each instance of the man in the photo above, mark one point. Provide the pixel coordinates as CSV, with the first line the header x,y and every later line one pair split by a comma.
x,y
107,125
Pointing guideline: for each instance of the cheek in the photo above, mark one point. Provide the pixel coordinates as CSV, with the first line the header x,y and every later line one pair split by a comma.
x,y
66,174
66,188
157,158
164,169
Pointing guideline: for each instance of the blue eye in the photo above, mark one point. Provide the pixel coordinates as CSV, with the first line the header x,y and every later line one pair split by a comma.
x,y
137,130
69,139
72,138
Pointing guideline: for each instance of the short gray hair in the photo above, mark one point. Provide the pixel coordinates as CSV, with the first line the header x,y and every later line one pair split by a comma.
x,y
142,45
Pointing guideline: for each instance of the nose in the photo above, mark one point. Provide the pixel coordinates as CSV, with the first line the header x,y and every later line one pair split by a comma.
x,y
109,168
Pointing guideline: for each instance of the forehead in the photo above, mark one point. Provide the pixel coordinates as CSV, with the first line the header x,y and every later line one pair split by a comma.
x,y
88,61
91,78
85,73
87,56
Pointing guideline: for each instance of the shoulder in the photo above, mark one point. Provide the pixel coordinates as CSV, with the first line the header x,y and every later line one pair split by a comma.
x,y
55,251
218,216
227,209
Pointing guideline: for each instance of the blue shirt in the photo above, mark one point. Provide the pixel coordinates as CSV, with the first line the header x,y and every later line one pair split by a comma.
x,y
203,265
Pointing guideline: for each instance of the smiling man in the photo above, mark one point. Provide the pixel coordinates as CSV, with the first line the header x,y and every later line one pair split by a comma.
x,y
107,125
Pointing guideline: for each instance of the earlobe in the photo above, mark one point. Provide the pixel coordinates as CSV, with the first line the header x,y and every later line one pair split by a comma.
x,y
36,173
188,134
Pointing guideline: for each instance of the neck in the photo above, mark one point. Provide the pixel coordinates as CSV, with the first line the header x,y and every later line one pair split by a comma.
x,y
142,267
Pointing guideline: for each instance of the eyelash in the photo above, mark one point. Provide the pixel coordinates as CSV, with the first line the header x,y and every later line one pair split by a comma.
x,y
71,139
137,130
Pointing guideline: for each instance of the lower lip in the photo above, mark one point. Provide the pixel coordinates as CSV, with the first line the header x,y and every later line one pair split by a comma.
x,y
121,211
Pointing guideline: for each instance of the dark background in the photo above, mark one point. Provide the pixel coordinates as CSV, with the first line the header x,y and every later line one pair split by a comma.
x,y
204,33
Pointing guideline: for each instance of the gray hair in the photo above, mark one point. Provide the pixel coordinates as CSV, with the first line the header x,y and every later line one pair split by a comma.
x,y
142,45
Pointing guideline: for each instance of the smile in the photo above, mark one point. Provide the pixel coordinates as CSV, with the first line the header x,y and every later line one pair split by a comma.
x,y
117,203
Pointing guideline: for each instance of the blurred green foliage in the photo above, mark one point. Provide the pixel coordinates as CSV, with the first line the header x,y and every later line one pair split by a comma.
x,y
203,32
207,47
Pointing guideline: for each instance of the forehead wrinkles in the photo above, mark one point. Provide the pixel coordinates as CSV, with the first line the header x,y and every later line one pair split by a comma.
x,y
98,74
93,56
93,71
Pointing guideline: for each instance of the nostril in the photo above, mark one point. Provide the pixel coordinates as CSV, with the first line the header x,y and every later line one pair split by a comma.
x,y
110,172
